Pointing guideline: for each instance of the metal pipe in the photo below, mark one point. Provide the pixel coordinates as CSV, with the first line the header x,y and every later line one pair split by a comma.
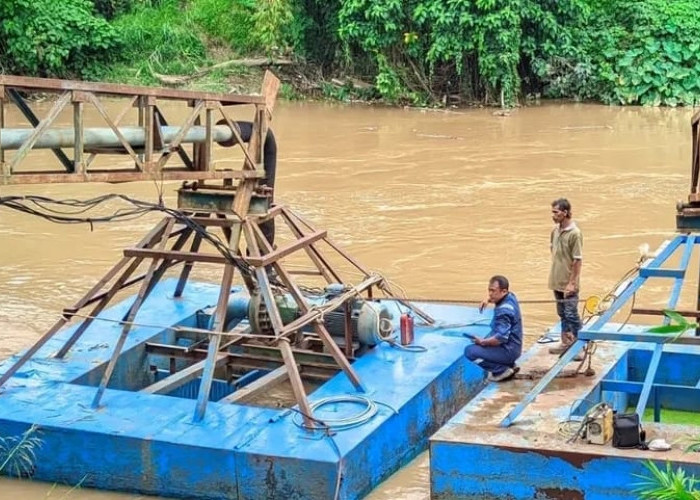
x,y
104,137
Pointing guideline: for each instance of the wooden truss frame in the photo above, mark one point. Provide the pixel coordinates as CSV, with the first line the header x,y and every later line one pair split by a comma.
x,y
249,250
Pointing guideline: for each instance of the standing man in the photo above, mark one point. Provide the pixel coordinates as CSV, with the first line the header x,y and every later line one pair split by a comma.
x,y
497,352
566,245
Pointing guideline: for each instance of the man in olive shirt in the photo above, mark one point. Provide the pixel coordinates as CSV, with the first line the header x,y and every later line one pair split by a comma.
x,y
567,253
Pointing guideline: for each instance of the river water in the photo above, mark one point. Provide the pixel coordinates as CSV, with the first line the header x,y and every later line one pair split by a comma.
x,y
437,201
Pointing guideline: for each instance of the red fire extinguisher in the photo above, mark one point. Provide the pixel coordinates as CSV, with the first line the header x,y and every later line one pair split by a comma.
x,y
406,328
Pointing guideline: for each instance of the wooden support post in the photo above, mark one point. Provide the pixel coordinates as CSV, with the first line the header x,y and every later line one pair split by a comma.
x,y
79,132
187,268
295,379
264,282
209,141
149,105
128,318
214,343
320,328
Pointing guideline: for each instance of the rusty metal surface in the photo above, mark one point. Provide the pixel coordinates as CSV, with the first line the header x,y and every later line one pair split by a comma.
x,y
24,83
151,143
220,201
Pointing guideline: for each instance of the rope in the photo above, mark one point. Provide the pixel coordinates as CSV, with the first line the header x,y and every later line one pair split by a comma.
x,y
171,328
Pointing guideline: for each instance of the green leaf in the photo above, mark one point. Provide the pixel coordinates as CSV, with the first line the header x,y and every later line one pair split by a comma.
x,y
673,315
666,329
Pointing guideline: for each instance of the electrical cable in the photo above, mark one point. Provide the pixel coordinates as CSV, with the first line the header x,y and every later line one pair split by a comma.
x,y
369,411
20,203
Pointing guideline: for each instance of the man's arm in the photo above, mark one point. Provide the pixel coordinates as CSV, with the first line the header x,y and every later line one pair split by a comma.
x,y
577,256
499,333
575,273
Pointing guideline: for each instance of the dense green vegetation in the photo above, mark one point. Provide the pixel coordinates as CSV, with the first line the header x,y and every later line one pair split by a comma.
x,y
420,52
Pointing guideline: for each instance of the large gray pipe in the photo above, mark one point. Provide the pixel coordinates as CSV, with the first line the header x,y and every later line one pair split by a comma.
x,y
13,138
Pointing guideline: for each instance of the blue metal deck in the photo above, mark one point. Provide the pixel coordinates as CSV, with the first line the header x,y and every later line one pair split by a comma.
x,y
149,444
473,457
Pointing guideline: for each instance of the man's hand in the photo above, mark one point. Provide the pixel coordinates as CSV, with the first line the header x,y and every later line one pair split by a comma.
x,y
478,341
570,289
483,305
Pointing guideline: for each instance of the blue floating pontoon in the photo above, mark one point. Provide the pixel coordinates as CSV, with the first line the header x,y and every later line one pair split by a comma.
x,y
149,443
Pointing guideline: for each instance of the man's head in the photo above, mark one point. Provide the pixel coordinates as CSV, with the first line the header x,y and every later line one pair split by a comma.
x,y
561,210
498,288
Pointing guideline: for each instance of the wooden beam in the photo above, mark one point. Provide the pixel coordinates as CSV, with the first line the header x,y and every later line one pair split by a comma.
x,y
169,384
258,386
28,83
177,174
181,256
318,324
660,312
214,343
280,253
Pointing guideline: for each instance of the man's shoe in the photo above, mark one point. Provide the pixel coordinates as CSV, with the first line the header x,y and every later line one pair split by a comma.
x,y
506,374
567,339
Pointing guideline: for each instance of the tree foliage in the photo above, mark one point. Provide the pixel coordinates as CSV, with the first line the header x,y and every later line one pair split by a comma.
x,y
50,38
480,47
414,51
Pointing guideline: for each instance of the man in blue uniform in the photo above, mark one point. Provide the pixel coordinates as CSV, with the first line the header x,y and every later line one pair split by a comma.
x,y
497,352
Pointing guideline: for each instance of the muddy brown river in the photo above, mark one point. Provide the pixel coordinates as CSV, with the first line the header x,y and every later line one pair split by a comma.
x,y
437,201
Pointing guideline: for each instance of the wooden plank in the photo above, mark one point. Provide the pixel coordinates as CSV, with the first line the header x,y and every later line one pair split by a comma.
x,y
649,380
169,384
331,305
214,343
117,121
208,221
23,82
270,88
258,386
271,214
34,121
280,253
